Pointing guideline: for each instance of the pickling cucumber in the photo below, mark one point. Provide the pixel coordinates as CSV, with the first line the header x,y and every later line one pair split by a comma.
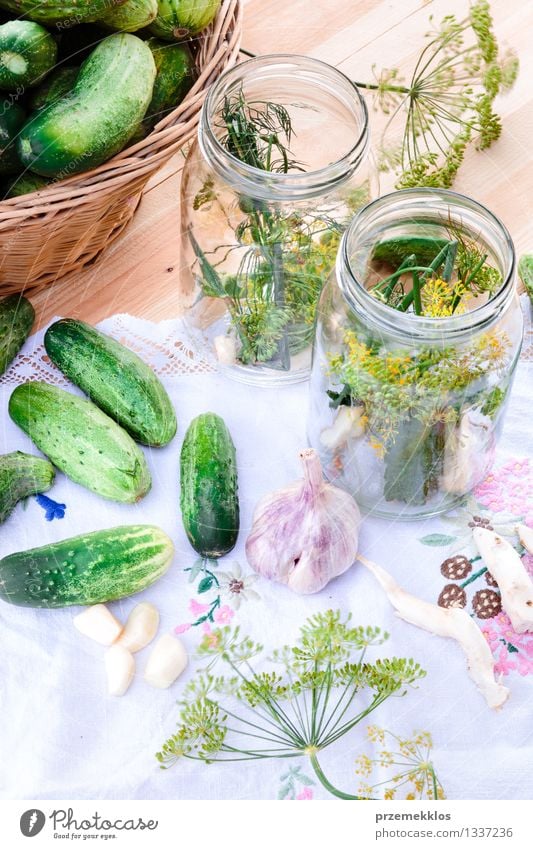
x,y
12,119
27,53
25,183
56,11
131,16
177,19
115,378
209,498
88,569
78,438
103,110
16,320
396,249
57,84
175,75
22,475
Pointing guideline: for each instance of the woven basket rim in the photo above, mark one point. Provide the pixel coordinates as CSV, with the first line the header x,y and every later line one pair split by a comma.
x,y
220,41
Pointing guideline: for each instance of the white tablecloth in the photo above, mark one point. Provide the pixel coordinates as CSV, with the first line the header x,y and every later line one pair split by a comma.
x,y
63,737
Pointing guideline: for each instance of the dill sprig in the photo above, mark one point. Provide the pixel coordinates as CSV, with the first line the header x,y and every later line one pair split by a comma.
x,y
312,696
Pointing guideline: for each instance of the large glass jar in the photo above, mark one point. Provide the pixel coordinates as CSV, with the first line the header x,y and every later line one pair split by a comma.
x,y
406,409
259,242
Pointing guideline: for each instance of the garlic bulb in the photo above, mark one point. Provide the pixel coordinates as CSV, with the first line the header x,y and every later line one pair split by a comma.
x,y
305,534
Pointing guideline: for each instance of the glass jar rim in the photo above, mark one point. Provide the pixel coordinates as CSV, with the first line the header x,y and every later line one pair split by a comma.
x,y
270,184
406,324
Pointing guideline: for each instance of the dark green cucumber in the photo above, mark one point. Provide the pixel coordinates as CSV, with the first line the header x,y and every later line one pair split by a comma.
x,y
12,119
131,16
16,320
98,117
175,75
27,53
115,378
22,475
209,499
25,183
57,84
78,438
177,19
89,569
55,11
395,250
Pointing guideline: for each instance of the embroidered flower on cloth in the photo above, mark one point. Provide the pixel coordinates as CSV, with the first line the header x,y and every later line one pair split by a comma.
x,y
509,489
512,652
234,587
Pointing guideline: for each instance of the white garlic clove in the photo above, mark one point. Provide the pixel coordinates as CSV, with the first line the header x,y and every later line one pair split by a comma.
x,y
120,669
167,661
98,623
225,349
140,628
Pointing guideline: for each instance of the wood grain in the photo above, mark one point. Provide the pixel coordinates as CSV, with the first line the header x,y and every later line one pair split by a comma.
x,y
140,272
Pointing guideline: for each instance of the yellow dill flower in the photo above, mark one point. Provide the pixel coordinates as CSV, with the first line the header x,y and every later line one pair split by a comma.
x,y
439,298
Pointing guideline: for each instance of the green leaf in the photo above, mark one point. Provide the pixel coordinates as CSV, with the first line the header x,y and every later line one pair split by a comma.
x,y
205,584
212,284
525,272
437,539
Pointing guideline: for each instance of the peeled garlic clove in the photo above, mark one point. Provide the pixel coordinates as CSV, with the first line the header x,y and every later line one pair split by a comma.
x,y
225,349
98,623
141,627
120,669
167,661
348,424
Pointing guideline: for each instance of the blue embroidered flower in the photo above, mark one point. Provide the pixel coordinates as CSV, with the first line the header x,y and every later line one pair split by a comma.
x,y
52,509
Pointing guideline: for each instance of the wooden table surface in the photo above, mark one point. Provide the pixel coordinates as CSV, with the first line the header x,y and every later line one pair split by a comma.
x,y
140,272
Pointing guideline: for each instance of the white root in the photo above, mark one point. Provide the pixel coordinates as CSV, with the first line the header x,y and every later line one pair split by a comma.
x,y
98,623
525,535
225,349
141,627
348,424
167,661
465,452
446,622
507,569
120,669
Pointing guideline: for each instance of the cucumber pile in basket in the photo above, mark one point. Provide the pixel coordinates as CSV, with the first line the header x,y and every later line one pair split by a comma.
x,y
80,81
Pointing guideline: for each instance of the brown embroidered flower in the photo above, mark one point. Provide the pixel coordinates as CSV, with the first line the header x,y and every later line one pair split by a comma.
x,y
480,522
490,580
452,596
486,604
456,568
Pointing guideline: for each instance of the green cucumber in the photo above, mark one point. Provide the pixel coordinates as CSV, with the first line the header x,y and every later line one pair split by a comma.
x,y
98,117
88,569
12,119
27,53
209,499
57,84
16,320
25,183
175,75
56,11
22,475
131,16
78,438
115,378
396,249
177,19
525,272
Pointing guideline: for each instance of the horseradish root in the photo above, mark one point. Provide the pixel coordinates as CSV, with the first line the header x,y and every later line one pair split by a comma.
x,y
446,622
525,535
141,627
120,669
507,569
98,623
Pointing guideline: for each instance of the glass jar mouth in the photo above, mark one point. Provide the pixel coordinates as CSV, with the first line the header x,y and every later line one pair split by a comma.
x,y
424,203
271,185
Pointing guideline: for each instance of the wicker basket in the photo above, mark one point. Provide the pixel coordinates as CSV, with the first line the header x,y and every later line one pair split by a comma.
x,y
48,234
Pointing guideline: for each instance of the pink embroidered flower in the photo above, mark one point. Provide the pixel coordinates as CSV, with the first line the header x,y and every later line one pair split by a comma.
x,y
306,794
180,629
224,615
196,608
512,652
210,639
509,489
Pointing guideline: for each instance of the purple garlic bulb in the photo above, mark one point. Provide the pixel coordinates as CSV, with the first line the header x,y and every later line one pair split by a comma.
x,y
305,534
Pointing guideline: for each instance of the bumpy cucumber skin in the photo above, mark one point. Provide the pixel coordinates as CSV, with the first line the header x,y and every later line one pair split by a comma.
x,y
78,438
209,498
175,75
12,120
22,475
115,378
25,183
131,16
16,320
58,84
55,11
177,19
88,569
98,117
395,250
33,45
